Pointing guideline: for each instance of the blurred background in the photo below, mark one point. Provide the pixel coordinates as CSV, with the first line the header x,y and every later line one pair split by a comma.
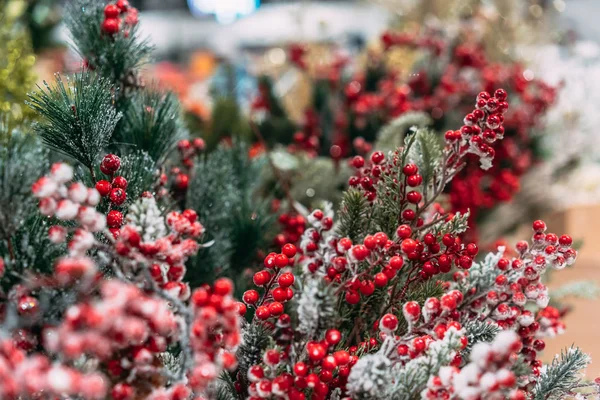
x,y
286,64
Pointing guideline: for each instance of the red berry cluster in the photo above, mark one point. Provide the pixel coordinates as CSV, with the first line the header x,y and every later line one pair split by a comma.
x,y
323,370
188,151
276,281
293,226
115,188
119,14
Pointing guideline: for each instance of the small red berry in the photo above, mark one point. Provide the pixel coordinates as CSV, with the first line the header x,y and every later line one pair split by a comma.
x,y
410,169
263,312
111,11
380,280
114,219
414,197
289,250
358,162
118,196
539,226
286,279
119,182
110,164
276,308
389,322
360,252
250,296
377,157
223,287
333,337
404,231
103,187
182,181
408,246
111,26
414,180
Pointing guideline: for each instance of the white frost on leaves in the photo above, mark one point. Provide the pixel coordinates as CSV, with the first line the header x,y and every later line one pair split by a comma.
x,y
314,308
147,218
370,377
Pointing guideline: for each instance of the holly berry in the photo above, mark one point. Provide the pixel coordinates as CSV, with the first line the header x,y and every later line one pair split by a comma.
x,y
119,182
114,219
289,250
123,5
388,323
539,226
377,157
404,231
413,197
118,196
103,187
333,336
110,164
261,278
380,280
111,11
410,169
250,296
408,246
286,280
414,180
223,287
111,26
411,311
182,181
360,252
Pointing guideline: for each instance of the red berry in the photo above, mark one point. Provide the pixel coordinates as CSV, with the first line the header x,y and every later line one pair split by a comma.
x,y
380,280
122,391
110,164
396,262
279,294
250,296
114,219
411,311
377,157
223,287
410,169
389,322
281,260
370,242
110,26
358,162
276,308
289,250
119,182
123,5
414,180
333,337
404,231
500,94
111,11
300,369
367,288
182,181
286,279
103,187
261,278
352,297
408,246
408,215
341,357
565,240
263,312
190,215
360,252
539,226
413,197
316,351
118,196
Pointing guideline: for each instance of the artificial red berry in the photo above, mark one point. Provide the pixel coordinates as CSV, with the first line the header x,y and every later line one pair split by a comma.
x,y
122,391
404,231
114,219
119,182
279,294
276,308
261,278
110,164
110,26
182,181
352,297
103,187
111,11
358,162
377,157
389,322
123,5
118,196
360,252
380,280
408,246
410,169
223,287
413,197
263,312
396,262
333,336
286,279
250,296
539,226
414,180
289,250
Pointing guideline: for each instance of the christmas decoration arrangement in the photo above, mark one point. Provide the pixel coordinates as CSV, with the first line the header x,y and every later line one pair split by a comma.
x,y
124,246
359,108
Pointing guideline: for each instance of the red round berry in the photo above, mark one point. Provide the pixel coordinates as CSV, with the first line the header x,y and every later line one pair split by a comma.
x,y
223,287
263,312
286,279
404,231
119,182
118,196
279,294
122,391
352,297
380,280
358,162
103,187
111,11
114,219
414,180
413,197
409,215
250,296
539,226
110,164
111,26
289,250
123,5
500,94
333,337
396,262
389,322
360,252
370,242
410,169
276,308
182,181
565,240
377,157
408,246
261,278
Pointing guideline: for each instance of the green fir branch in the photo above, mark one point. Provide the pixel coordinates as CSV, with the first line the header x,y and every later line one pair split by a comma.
x,y
562,376
426,153
479,331
78,116
392,135
352,215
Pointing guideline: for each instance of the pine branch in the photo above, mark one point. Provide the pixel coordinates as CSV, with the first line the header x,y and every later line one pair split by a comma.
x,y
562,376
316,308
479,331
114,57
352,215
255,339
22,160
140,171
391,136
152,123
78,117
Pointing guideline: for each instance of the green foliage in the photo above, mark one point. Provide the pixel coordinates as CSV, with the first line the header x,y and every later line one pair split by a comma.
x,y
152,123
391,136
256,337
458,224
140,171
317,308
115,57
226,388
479,331
22,161
353,215
223,193
226,121
78,117
562,376
426,152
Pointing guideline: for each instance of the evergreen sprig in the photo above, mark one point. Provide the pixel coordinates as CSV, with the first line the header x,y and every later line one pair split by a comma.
x,y
352,215
479,331
152,123
562,376
391,136
78,116
22,161
115,57
426,152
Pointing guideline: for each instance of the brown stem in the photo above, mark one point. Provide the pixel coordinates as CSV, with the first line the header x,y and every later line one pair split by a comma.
x,y
11,250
